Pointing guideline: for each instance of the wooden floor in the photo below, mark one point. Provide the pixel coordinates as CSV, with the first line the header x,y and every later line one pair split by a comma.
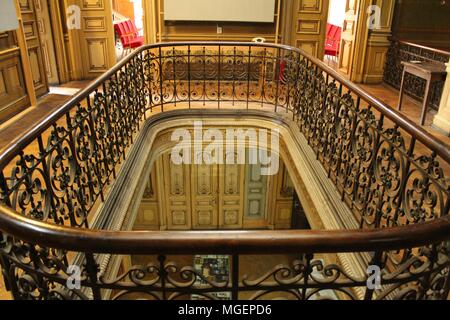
x,y
26,120
32,116
411,108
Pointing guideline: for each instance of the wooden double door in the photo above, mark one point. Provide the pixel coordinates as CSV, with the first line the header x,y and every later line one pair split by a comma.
x,y
217,196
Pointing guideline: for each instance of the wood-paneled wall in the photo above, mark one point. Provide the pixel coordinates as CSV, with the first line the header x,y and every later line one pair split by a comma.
x,y
206,197
309,25
31,27
13,92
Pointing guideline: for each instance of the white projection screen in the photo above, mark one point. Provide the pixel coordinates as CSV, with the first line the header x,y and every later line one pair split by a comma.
x,y
220,10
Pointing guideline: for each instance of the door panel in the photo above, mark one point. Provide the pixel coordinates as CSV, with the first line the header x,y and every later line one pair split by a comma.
x,y
255,196
148,212
347,46
204,196
13,93
31,31
96,37
125,8
45,34
284,197
177,190
309,26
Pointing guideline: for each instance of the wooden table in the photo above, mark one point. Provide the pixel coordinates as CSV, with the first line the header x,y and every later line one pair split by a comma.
x,y
429,71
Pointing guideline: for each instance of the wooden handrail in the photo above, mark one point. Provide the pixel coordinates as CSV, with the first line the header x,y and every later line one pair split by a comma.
x,y
229,242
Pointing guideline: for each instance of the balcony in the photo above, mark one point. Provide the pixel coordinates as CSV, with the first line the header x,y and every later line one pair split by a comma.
x,y
390,176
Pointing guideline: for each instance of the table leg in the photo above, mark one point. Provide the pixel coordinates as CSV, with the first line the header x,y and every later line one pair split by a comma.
x,y
400,99
425,103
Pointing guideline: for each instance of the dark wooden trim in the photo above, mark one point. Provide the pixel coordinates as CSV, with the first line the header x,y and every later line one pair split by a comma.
x,y
248,242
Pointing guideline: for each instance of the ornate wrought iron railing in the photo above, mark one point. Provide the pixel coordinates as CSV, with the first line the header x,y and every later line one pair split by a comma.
x,y
392,174
414,86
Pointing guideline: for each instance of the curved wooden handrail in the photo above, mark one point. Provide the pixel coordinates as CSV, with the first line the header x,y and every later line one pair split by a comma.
x,y
123,242
242,242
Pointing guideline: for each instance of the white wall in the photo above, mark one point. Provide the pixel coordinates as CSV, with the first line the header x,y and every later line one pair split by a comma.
x,y
336,12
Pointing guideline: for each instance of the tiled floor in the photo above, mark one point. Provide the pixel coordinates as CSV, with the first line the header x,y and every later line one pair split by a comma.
x,y
49,103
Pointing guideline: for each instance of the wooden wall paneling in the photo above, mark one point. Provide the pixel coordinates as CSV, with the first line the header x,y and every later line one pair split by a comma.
x,y
34,46
46,37
178,194
148,212
91,48
13,91
309,26
347,46
286,22
423,22
25,60
231,195
232,31
150,21
72,44
204,186
124,7
57,17
208,197
255,196
378,43
97,37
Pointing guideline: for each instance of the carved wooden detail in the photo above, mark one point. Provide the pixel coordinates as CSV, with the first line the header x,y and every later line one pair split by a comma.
x,y
310,47
93,4
98,54
347,45
231,185
310,6
32,26
47,43
93,24
308,29
308,26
